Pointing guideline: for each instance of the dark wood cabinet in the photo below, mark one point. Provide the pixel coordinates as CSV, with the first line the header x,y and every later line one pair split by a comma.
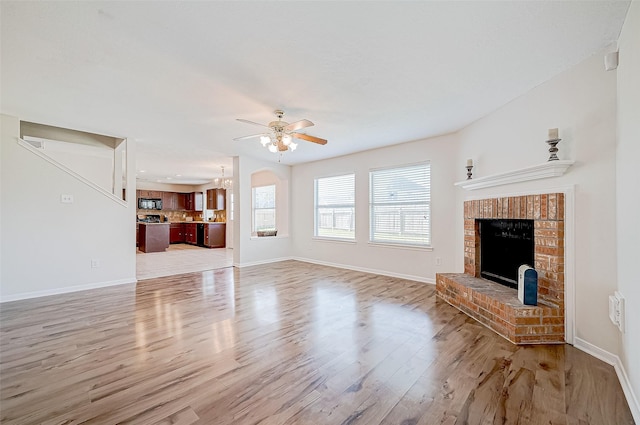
x,y
191,233
172,201
149,194
177,233
169,201
181,201
216,199
194,201
215,235
153,237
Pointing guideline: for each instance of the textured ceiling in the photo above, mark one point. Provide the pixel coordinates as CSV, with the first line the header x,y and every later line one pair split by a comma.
x,y
174,76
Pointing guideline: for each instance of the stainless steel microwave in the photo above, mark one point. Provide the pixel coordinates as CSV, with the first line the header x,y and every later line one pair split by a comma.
x,y
149,204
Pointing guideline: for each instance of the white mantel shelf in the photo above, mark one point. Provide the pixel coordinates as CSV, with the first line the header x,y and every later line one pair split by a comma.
x,y
536,172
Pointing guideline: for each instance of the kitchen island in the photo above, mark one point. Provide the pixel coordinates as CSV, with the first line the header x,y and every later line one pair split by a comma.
x,y
153,237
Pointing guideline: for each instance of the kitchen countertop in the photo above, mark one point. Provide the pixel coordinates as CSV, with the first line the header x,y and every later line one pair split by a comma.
x,y
182,222
195,222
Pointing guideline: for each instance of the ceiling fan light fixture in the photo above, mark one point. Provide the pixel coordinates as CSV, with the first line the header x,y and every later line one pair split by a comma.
x,y
280,134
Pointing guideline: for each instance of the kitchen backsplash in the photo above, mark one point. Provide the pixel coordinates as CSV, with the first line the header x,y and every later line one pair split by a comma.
x,y
207,215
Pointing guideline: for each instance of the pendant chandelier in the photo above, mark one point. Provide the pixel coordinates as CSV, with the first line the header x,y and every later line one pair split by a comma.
x,y
222,182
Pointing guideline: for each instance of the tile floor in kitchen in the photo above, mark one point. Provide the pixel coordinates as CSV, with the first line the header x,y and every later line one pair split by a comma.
x,y
181,258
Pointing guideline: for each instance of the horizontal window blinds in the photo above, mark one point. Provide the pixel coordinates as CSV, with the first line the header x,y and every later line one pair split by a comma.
x,y
400,205
335,207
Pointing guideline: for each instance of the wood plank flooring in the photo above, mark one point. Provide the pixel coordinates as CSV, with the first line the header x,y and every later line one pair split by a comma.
x,y
286,343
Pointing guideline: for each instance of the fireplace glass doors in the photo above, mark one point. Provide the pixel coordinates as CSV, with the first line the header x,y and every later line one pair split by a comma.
x,y
505,245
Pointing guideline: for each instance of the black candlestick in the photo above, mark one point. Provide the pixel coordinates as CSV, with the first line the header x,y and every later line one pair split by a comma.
x,y
469,168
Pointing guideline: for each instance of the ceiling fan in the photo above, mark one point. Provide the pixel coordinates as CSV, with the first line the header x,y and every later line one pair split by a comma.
x,y
279,137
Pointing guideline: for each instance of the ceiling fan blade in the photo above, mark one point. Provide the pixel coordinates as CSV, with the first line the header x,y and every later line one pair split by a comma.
x,y
298,125
309,138
249,137
251,122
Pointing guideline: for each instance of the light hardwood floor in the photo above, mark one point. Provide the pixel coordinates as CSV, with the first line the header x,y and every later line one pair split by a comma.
x,y
286,343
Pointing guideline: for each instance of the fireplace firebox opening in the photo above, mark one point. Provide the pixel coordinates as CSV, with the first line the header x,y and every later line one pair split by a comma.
x,y
505,245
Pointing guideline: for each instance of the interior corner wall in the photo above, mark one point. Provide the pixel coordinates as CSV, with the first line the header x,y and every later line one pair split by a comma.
x,y
411,263
581,103
628,194
47,247
247,249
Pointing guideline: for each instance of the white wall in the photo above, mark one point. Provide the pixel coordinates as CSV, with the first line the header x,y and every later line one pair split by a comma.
x,y
47,246
412,263
165,187
580,102
250,250
98,169
628,194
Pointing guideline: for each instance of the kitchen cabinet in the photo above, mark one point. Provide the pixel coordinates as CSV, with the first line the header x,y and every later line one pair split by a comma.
x,y
194,201
154,237
215,234
177,233
169,201
149,194
191,233
181,201
216,198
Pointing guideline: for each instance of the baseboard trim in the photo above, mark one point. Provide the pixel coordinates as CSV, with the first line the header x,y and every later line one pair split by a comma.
x,y
614,361
261,262
66,290
367,270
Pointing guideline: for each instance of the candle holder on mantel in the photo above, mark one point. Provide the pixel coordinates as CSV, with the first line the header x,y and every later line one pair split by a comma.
x,y
552,142
469,167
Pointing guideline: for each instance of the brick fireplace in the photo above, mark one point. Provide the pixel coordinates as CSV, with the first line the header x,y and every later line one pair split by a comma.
x,y
497,306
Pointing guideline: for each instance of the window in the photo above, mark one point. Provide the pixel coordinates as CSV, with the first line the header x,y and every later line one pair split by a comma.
x,y
400,205
264,208
335,207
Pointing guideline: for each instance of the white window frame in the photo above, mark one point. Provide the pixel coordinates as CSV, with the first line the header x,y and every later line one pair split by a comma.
x,y
254,208
333,206
405,210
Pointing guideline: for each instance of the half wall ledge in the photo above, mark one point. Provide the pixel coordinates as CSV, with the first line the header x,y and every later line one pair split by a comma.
x,y
498,308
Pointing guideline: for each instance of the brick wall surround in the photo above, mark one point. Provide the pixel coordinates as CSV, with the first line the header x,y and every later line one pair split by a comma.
x,y
497,306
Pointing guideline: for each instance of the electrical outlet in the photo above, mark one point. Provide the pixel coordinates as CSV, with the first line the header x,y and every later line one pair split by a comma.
x,y
438,261
95,263
66,199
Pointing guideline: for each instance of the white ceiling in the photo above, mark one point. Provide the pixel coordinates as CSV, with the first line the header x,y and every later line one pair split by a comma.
x,y
174,76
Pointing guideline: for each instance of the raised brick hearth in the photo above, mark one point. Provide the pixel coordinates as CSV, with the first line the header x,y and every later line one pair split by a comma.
x,y
497,306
